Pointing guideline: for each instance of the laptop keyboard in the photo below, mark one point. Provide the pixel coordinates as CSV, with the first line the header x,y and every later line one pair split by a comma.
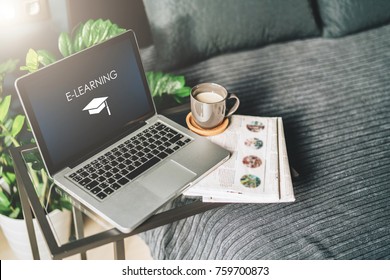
x,y
107,174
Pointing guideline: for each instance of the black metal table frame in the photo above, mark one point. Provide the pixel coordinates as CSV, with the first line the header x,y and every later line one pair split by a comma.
x,y
31,205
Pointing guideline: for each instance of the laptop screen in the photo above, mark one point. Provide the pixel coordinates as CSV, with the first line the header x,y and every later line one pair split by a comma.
x,y
87,100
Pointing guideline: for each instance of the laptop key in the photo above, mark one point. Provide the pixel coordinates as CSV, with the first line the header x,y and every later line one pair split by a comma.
x,y
85,181
117,176
100,171
116,186
124,172
91,185
77,178
175,138
84,174
176,147
100,179
161,148
110,180
115,170
108,190
121,166
96,190
123,181
142,168
180,143
130,168
101,195
149,156
143,159
162,155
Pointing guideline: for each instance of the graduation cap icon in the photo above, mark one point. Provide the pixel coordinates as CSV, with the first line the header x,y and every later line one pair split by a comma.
x,y
97,105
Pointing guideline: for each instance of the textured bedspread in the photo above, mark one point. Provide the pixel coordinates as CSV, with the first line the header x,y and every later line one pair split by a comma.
x,y
334,97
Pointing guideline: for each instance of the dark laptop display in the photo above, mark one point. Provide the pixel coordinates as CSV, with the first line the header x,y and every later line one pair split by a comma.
x,y
85,100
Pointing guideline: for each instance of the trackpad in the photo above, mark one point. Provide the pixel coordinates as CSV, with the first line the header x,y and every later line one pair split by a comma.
x,y
168,179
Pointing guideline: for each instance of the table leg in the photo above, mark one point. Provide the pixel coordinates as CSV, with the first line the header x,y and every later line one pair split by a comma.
x,y
119,249
79,227
28,218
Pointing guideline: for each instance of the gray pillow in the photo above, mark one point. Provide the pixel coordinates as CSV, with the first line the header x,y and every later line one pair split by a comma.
x,y
186,31
342,17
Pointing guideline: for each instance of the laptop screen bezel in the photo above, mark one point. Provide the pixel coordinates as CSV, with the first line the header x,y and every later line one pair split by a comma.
x,y
52,167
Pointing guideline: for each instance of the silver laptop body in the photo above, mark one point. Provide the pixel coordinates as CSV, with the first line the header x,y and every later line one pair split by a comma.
x,y
94,109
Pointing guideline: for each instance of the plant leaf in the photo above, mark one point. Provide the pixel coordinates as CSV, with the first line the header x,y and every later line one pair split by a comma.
x,y
86,33
11,178
78,43
45,57
32,63
160,84
115,30
8,141
4,107
65,203
183,92
96,30
106,28
15,213
157,77
17,125
4,203
6,160
173,83
8,125
65,44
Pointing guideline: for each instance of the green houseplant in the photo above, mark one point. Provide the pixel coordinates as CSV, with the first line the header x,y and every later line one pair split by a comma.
x,y
15,132
12,127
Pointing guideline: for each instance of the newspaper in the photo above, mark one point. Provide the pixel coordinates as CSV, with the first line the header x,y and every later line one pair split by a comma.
x,y
258,169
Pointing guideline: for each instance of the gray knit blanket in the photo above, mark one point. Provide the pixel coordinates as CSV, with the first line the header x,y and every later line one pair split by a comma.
x,y
334,97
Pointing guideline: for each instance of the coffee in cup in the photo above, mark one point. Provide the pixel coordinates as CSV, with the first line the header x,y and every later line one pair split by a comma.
x,y
208,104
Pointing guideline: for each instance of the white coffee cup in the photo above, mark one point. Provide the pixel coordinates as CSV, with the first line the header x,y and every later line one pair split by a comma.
x,y
208,104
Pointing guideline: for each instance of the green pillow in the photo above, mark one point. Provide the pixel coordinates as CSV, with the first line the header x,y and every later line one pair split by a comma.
x,y
342,17
186,31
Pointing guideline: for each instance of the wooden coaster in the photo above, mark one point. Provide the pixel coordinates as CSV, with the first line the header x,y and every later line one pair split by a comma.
x,y
193,126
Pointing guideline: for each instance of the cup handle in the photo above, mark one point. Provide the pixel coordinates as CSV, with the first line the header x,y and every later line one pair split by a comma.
x,y
235,106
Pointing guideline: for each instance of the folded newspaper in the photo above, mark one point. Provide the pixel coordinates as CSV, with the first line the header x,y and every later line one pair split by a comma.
x,y
257,171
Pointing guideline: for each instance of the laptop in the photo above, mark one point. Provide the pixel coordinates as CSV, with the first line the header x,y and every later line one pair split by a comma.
x,y
101,139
